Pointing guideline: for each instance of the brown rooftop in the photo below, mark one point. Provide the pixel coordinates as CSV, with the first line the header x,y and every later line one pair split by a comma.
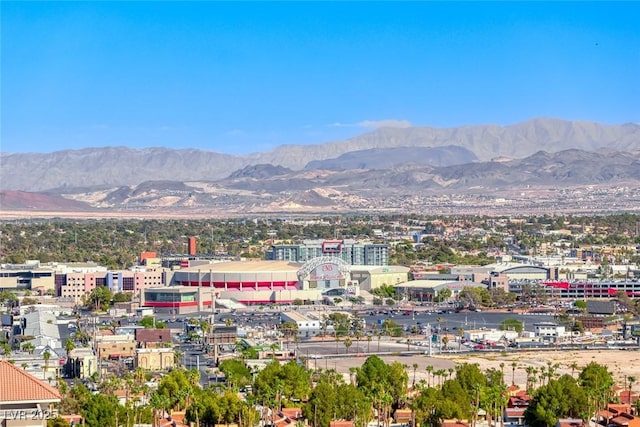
x,y
19,386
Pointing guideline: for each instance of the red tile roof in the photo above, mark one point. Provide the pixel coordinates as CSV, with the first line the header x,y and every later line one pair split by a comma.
x,y
618,407
19,386
341,423
628,397
293,413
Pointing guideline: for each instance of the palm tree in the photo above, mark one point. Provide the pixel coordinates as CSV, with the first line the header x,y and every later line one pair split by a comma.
x,y
273,347
513,373
369,338
347,344
158,402
429,373
177,356
442,373
6,349
69,345
574,367
445,341
28,347
502,370
46,356
415,368
476,406
631,380
529,371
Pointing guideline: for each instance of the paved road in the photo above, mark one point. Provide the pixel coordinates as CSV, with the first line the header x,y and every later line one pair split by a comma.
x,y
471,320
448,320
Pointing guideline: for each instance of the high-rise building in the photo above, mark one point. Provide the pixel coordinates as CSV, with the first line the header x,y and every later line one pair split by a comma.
x,y
350,251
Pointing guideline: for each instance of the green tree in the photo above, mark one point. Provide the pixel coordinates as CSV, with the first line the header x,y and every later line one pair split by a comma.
x,y
347,344
321,406
69,345
100,298
122,297
511,324
431,408
57,422
102,410
46,356
470,378
353,404
561,398
150,322
391,328
236,372
598,380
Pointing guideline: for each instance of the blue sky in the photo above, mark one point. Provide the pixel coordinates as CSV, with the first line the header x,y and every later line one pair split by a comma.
x,y
242,77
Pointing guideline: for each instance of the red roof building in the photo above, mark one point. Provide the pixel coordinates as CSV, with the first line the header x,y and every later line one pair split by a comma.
x,y
25,400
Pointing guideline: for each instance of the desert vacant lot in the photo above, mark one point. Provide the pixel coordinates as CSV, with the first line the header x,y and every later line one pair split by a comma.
x,y
621,364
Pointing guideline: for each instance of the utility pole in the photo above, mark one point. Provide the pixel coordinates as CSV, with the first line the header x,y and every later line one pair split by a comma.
x,y
212,327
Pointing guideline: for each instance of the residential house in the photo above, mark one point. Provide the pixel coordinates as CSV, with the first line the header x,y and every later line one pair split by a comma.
x,y
403,416
516,405
618,415
628,397
570,422
25,401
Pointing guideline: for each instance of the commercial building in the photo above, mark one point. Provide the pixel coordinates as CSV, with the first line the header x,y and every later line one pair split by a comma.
x,y
77,284
516,271
175,299
548,330
372,277
350,251
428,290
30,275
155,359
257,282
307,326
115,346
590,289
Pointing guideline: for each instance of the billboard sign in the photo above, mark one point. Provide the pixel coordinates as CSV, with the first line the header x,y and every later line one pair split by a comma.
x,y
327,271
332,246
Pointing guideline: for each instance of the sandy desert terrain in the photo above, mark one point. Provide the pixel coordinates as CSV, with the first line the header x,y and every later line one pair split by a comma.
x,y
621,364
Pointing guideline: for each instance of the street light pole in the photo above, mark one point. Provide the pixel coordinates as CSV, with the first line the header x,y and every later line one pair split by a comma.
x,y
212,326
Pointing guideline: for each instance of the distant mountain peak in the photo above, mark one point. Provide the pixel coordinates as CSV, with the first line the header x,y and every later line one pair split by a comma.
x,y
260,171
122,166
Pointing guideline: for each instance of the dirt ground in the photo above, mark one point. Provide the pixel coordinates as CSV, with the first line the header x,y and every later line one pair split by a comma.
x,y
621,364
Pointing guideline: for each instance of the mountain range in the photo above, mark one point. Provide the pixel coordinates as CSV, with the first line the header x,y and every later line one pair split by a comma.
x,y
379,168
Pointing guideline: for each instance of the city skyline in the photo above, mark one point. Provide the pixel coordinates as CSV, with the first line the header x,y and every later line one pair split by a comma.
x,y
247,77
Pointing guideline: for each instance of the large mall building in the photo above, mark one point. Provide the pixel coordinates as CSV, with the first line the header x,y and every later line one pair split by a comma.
x,y
267,282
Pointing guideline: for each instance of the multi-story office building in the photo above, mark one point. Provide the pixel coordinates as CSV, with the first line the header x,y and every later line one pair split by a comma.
x,y
36,276
350,251
76,285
